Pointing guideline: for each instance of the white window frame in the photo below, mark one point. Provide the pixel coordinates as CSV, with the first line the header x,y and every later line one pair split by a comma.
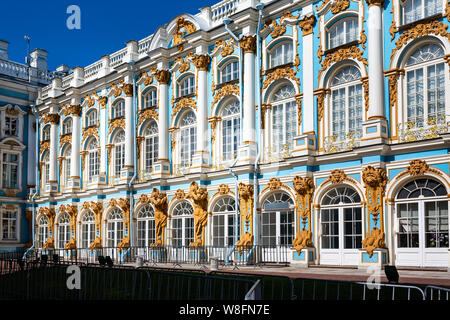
x,y
187,133
87,229
150,98
64,232
424,4
151,146
118,109
145,223
114,228
67,126
186,86
285,59
229,75
182,213
346,31
225,213
12,236
235,130
119,153
18,164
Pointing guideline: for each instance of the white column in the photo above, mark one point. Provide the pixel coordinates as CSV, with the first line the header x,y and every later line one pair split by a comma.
x,y
129,127
201,158
102,136
249,47
53,118
308,75
375,46
76,133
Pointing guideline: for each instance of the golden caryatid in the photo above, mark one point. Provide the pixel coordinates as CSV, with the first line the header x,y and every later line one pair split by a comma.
x,y
160,204
246,208
304,188
199,197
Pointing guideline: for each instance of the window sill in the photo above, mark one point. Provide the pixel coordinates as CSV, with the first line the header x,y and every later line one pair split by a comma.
x,y
223,84
342,46
289,64
423,20
191,95
142,110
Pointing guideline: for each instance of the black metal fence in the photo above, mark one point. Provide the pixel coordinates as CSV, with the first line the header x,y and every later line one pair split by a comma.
x,y
203,255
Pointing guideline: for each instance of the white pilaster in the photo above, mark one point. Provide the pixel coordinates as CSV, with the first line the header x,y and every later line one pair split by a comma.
x,y
128,168
53,175
75,177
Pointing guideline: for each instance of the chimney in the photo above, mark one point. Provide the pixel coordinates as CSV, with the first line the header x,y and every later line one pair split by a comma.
x,y
4,49
39,59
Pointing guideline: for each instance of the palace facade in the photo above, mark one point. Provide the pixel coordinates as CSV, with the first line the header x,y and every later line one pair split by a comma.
x,y
19,84
325,121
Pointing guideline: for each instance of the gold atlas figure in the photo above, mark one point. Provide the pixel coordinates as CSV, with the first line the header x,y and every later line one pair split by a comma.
x,y
200,198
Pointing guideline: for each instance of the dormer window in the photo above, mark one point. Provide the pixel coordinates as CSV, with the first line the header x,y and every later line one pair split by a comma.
x,y
186,86
342,32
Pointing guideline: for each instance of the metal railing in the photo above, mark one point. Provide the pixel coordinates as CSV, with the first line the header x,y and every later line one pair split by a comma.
x,y
436,293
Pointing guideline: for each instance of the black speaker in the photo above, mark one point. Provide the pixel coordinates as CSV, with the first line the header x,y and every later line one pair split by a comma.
x,y
391,274
101,260
109,261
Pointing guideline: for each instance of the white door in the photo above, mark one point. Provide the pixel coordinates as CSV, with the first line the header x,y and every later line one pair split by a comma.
x,y
422,237
341,235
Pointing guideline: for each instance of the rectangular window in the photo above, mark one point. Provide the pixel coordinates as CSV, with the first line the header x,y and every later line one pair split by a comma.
x,y
330,229
9,224
10,165
414,10
10,126
352,228
408,221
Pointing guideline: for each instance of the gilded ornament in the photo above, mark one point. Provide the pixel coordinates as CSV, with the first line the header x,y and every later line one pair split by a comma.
x,y
374,240
91,131
336,5
162,76
160,203
228,89
147,114
280,73
53,118
277,30
248,44
378,3
224,189
179,194
274,184
227,47
417,167
288,16
304,188
307,25
365,84
116,123
183,28
128,89
342,54
421,29
201,62
337,176
183,103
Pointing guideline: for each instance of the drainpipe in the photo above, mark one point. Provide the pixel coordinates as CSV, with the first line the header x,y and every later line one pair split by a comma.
x,y
226,22
260,7
37,187
130,184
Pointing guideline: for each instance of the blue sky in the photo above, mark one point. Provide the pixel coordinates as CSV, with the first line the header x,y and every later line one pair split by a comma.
x,y
105,26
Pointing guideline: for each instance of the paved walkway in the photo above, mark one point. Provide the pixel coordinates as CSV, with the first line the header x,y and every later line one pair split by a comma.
x,y
434,277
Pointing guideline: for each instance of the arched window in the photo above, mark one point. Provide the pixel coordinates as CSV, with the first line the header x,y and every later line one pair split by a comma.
x,y
277,220
186,86
188,132
284,118
46,133
145,226
87,229
118,109
346,103
151,145
182,224
150,98
281,54
230,129
119,152
67,126
63,230
223,223
425,85
230,71
66,165
93,159
91,118
46,168
115,228
42,234
341,226
342,32
413,10
422,224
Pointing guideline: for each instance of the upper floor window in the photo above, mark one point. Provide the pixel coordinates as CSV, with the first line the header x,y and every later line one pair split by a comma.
x,y
346,103
425,85
11,128
281,54
92,118
67,126
46,133
413,10
150,98
118,109
119,152
94,160
343,32
63,230
229,72
8,224
188,138
10,170
151,145
284,117
66,164
186,86
230,129
46,167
